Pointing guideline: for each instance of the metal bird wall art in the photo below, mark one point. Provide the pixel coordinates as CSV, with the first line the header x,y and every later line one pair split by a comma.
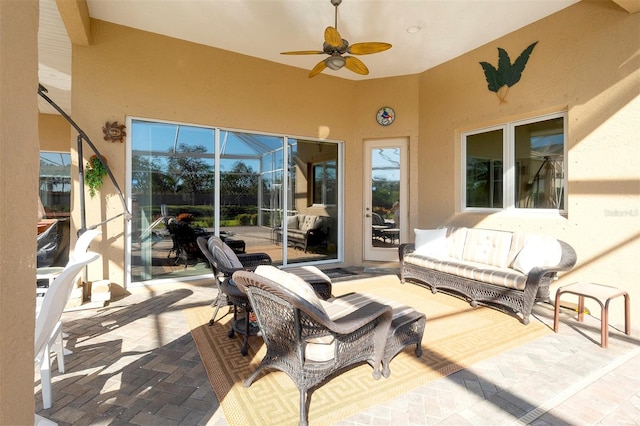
x,y
507,74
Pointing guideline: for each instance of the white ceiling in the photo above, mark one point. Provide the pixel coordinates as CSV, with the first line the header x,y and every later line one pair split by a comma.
x,y
264,28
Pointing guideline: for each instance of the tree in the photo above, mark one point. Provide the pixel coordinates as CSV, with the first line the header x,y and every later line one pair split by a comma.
x,y
191,173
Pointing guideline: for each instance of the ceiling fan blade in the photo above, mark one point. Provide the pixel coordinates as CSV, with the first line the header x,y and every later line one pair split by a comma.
x,y
303,52
356,65
332,37
320,66
367,48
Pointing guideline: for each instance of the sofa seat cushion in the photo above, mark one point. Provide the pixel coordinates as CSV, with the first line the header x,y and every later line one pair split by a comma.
x,y
505,277
296,234
339,307
320,349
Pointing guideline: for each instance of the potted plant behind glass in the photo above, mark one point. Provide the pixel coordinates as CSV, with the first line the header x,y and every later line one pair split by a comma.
x,y
94,171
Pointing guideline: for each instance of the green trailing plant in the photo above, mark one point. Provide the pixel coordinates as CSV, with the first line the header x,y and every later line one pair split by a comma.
x,y
94,171
507,74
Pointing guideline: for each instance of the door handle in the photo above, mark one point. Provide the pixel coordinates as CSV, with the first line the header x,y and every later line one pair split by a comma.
x,y
367,215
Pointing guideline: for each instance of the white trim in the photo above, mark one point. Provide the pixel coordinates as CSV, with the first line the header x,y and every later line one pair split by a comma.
x,y
509,172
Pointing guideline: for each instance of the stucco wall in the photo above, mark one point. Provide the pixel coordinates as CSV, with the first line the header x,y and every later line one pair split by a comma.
x,y
53,133
18,207
586,62
126,72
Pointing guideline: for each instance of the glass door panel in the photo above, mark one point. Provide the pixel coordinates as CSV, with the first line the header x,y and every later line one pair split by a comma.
x,y
240,186
384,199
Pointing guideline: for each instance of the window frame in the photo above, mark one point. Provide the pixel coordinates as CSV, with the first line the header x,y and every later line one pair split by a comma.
x,y
323,183
64,214
509,165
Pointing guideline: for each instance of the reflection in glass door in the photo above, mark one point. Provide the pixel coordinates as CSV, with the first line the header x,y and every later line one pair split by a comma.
x,y
385,198
258,193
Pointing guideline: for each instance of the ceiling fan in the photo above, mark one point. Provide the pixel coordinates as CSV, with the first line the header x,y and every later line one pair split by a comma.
x,y
335,46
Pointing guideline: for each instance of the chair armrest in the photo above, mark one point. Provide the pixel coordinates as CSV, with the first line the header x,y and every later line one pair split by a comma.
x,y
252,260
405,248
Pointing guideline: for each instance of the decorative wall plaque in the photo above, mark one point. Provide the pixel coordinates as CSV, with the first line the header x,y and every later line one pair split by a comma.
x,y
114,132
507,74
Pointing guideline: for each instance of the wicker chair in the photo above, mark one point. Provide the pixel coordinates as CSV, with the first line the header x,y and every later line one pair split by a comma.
x,y
291,324
223,266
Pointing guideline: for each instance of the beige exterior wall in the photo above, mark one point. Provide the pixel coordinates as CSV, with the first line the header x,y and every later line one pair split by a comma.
x,y
18,207
584,63
53,133
168,79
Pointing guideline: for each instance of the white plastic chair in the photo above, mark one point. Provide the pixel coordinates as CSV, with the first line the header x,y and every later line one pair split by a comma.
x,y
50,273
82,245
48,325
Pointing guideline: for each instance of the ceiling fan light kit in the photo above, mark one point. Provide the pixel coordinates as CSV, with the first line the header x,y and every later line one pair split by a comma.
x,y
335,46
335,62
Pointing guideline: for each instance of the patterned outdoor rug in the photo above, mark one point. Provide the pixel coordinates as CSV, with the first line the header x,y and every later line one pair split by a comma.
x,y
456,336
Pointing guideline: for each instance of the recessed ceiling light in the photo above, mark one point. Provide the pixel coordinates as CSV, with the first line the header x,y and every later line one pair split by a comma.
x,y
413,29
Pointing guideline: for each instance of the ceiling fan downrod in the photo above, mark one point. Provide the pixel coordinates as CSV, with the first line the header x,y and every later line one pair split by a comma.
x,y
336,3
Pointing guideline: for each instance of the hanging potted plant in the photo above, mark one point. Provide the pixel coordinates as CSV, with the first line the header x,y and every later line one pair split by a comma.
x,y
94,171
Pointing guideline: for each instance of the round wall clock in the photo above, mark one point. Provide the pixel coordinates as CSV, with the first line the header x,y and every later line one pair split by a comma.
x,y
385,116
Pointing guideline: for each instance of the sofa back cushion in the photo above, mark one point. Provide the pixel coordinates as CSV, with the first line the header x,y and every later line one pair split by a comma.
x,y
488,247
518,239
292,282
456,236
292,222
223,253
309,221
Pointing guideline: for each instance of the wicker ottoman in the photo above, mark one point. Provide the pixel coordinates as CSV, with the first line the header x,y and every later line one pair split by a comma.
x,y
407,328
407,324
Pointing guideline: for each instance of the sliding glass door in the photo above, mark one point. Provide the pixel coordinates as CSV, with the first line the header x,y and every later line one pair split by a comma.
x,y
188,181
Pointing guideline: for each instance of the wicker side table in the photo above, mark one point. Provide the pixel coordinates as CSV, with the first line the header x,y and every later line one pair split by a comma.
x,y
240,324
601,294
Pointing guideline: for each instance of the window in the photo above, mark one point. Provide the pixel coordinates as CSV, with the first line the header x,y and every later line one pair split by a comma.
x,y
239,185
55,184
516,165
324,183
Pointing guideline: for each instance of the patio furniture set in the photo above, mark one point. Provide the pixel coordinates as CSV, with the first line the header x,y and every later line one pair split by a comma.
x,y
312,336
308,334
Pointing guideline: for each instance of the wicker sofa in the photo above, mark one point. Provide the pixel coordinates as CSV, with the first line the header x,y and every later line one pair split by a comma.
x,y
306,230
508,271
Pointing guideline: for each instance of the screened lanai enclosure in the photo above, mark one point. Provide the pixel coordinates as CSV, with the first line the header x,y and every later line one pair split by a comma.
x,y
274,194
